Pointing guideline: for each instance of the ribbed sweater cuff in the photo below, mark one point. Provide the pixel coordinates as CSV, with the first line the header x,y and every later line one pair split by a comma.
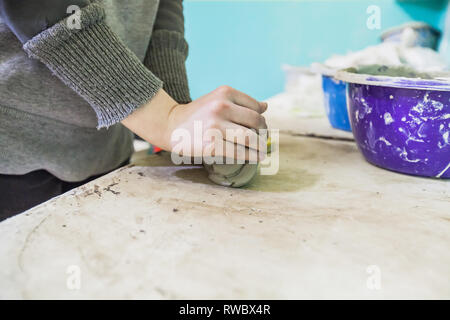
x,y
95,63
166,58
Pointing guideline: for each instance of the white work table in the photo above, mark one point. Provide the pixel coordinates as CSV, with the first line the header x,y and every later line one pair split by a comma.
x,y
328,225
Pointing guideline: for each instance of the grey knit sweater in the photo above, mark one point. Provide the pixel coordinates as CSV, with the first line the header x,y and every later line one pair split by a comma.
x,y
64,92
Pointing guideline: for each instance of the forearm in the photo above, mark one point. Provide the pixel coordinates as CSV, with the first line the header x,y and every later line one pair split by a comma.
x,y
93,61
168,50
170,16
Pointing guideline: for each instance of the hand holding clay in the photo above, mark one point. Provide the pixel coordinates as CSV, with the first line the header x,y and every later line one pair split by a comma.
x,y
222,111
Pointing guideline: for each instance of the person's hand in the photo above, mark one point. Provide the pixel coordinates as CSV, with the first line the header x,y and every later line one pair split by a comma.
x,y
223,123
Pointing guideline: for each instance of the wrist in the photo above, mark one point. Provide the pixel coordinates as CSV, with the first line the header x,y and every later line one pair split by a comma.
x,y
171,124
152,121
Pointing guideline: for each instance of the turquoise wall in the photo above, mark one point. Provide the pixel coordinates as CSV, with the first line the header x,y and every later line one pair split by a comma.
x,y
244,43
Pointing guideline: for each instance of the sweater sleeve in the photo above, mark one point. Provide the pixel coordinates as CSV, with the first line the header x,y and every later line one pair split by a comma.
x,y
89,58
168,50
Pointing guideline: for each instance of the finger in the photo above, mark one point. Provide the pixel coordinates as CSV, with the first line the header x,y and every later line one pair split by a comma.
x,y
246,117
243,136
244,100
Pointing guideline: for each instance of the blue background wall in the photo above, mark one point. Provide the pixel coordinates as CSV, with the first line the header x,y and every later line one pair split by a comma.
x,y
244,43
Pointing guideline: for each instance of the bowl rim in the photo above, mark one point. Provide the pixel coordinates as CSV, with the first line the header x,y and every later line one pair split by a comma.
x,y
413,25
438,83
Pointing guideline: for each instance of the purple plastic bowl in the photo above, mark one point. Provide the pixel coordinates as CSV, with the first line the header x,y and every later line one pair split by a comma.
x,y
401,124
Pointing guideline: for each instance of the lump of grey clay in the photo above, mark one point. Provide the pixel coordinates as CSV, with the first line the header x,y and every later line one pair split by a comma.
x,y
231,175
